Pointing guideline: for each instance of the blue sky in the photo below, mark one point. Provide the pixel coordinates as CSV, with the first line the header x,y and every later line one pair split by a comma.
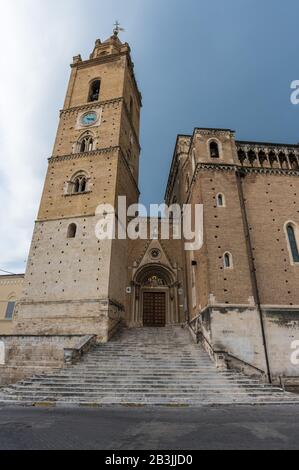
x,y
209,63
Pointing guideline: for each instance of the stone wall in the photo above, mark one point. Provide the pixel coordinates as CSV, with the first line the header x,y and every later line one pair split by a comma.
x,y
237,332
282,330
25,356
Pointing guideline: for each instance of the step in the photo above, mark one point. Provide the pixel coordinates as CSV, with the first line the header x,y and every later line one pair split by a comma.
x,y
127,381
136,389
142,367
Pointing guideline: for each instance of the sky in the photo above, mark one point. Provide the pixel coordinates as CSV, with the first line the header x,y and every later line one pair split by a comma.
x,y
198,63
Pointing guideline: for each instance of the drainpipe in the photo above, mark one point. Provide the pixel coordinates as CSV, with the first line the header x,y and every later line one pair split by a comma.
x,y
240,175
187,285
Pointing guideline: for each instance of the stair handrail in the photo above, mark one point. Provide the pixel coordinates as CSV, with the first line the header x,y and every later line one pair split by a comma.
x,y
75,353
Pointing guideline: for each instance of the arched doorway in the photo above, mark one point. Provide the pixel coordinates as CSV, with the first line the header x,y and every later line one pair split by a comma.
x,y
155,299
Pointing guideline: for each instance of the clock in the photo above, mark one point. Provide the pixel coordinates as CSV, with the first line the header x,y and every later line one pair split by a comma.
x,y
89,119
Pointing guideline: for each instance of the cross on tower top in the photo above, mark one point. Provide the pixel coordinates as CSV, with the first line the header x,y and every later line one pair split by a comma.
x,y
117,28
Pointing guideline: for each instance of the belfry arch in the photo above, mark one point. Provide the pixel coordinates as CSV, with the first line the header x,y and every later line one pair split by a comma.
x,y
155,301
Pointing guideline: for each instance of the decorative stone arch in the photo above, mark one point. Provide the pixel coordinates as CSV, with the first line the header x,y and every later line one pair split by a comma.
x,y
12,297
85,143
155,279
293,161
283,160
79,183
273,159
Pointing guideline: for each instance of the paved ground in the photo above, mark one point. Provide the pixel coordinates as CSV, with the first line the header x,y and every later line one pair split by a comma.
x,y
150,428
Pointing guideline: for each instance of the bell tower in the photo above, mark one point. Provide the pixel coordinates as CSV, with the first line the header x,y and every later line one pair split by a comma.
x,y
75,283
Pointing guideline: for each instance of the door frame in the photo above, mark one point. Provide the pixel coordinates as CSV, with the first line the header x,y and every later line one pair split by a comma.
x,y
170,288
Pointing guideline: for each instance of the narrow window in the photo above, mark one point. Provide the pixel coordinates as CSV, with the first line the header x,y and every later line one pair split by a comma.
x,y
10,310
228,263
72,230
220,200
94,91
293,243
214,150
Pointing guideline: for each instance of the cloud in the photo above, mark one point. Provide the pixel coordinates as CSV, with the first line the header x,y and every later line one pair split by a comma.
x,y
38,42
29,62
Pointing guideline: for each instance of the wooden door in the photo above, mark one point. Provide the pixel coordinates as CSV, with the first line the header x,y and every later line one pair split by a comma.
x,y
154,309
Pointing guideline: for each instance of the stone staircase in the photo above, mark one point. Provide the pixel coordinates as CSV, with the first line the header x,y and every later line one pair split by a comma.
x,y
153,366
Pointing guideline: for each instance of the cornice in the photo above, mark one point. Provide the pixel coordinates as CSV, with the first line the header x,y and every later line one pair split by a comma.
x,y
247,170
93,105
99,60
77,156
264,146
212,132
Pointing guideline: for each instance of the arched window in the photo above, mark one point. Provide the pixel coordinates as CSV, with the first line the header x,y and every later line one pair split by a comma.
x,y
78,184
293,161
262,158
293,242
94,91
283,160
242,156
252,157
220,200
72,231
273,159
214,150
227,261
85,143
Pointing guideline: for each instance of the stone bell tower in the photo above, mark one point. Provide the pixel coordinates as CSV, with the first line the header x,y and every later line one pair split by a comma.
x,y
75,283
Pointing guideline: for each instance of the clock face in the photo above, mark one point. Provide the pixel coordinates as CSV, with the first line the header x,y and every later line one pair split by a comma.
x,y
89,119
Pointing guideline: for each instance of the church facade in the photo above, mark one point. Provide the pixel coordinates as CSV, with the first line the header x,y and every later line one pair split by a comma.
x,y
238,293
